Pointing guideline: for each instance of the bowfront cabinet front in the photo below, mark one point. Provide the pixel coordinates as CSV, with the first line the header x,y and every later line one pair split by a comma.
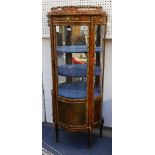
x,y
77,57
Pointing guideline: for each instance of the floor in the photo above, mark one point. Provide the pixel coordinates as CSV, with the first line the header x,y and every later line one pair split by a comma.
x,y
75,143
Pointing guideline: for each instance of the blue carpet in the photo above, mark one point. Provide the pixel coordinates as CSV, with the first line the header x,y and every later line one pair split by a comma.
x,y
74,143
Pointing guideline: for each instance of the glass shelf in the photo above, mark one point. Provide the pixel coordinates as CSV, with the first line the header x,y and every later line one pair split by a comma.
x,y
76,70
76,49
76,90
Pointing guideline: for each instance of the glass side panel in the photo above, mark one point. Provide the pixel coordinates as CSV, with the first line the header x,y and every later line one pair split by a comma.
x,y
72,46
99,58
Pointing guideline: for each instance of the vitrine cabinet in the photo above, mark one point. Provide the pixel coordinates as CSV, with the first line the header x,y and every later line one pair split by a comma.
x,y
77,56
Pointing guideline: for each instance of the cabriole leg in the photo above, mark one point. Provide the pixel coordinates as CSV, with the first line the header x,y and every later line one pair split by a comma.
x,y
89,137
57,132
101,127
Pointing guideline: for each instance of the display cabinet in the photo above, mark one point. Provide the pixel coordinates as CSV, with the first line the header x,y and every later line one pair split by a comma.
x,y
77,57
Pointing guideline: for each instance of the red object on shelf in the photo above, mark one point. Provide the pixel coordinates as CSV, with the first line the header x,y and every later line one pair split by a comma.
x,y
77,61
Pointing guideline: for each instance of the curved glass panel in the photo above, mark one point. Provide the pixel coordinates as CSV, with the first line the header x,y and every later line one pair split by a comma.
x,y
99,57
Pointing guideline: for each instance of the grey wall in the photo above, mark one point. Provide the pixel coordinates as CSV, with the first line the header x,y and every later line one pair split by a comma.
x,y
46,67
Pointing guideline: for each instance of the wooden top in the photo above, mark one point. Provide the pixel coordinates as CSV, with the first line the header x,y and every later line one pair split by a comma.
x,y
76,10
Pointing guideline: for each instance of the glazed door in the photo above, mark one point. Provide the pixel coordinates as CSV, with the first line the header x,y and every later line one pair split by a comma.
x,y
71,51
